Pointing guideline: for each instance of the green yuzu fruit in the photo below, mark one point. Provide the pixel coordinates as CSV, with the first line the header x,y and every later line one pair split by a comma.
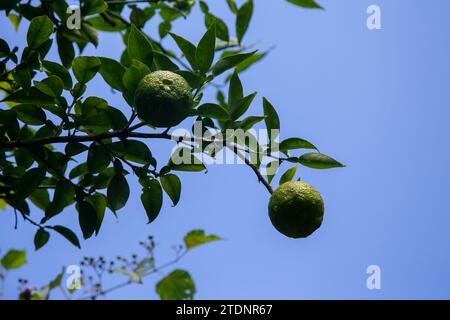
x,y
296,209
163,99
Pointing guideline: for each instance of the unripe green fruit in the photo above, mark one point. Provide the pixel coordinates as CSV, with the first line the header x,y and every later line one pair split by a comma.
x,y
163,99
296,209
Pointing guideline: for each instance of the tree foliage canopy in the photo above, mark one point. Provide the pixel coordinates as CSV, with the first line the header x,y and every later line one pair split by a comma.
x,y
60,147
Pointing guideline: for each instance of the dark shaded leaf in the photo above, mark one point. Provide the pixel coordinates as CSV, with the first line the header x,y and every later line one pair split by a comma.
x,y
68,234
152,199
132,150
118,192
41,238
98,158
172,186
212,110
272,120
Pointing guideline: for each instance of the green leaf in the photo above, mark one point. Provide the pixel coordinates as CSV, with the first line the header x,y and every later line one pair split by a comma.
x,y
29,182
152,199
68,234
132,150
85,68
221,28
187,48
288,175
272,119
235,91
98,202
87,218
229,62
249,122
198,237
112,72
65,49
178,285
118,192
74,148
4,48
204,55
172,186
41,238
194,80
93,6
98,158
133,75
39,31
40,198
185,161
30,114
53,68
243,17
114,24
139,47
212,110
295,143
244,65
14,259
62,197
238,108
232,5
310,4
29,96
319,161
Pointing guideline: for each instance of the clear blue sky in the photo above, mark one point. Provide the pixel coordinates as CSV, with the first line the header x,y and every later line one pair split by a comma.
x,y
375,100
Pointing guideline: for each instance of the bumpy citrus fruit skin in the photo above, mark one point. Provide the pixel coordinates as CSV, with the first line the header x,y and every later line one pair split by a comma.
x,y
163,99
296,209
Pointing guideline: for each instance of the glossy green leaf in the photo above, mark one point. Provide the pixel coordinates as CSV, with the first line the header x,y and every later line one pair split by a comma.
x,y
319,161
238,108
288,175
98,201
93,6
198,237
172,186
222,32
39,31
132,150
295,143
235,90
139,47
85,68
204,55
212,110
178,285
187,48
243,17
53,68
112,72
272,120
229,62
